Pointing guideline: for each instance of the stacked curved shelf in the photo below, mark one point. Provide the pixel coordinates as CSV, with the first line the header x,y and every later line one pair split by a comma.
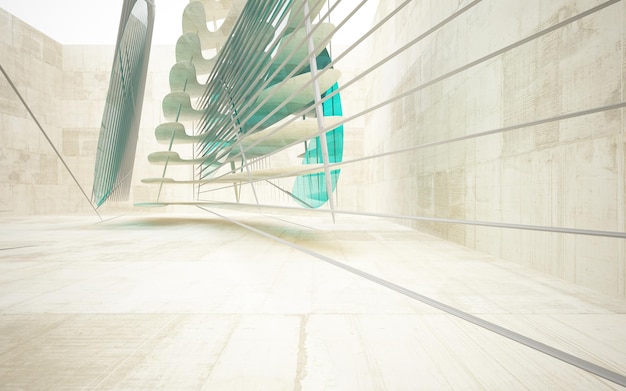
x,y
259,97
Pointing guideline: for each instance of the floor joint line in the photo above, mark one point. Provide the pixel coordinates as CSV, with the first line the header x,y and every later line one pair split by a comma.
x,y
576,361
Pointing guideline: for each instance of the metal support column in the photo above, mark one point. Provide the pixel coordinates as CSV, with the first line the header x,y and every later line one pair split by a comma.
x,y
318,108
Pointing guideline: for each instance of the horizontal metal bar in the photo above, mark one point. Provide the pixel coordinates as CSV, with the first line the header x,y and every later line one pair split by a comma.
x,y
576,361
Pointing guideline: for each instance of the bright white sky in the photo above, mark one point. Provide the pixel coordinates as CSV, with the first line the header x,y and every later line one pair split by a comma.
x,y
96,21
92,21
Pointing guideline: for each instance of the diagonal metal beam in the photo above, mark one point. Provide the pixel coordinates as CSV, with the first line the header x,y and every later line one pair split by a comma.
x,y
48,139
561,355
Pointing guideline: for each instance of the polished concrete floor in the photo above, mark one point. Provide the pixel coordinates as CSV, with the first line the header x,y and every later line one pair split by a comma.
x,y
195,302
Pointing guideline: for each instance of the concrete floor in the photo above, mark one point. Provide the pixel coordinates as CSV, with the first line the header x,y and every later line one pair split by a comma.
x,y
193,302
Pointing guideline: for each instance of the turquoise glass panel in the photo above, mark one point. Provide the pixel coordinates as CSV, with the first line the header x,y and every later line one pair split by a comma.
x,y
309,190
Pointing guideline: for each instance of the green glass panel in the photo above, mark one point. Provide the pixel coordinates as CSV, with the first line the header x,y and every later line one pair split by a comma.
x,y
309,190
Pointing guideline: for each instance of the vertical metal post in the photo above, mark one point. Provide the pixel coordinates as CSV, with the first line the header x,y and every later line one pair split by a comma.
x,y
169,149
233,116
318,108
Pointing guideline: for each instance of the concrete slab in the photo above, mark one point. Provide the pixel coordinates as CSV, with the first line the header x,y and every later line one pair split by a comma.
x,y
191,301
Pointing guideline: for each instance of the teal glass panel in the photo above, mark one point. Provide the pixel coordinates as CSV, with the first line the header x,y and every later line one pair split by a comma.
x,y
248,63
309,190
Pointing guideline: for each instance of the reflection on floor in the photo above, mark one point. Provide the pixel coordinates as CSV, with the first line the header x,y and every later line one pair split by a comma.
x,y
189,302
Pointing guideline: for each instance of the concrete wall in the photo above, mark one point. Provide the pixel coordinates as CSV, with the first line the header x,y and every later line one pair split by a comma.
x,y
567,173
65,86
31,179
70,105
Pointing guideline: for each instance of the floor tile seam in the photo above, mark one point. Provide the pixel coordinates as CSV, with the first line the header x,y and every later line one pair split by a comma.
x,y
522,339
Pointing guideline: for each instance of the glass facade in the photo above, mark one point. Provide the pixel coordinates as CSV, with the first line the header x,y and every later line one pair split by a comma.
x,y
120,122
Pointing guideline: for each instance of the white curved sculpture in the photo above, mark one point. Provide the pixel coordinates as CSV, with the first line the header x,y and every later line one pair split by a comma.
x,y
264,76
293,92
189,50
174,132
198,13
238,177
177,107
183,77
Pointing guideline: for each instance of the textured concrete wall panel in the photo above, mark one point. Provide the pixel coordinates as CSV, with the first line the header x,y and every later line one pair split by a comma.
x,y
563,173
66,88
